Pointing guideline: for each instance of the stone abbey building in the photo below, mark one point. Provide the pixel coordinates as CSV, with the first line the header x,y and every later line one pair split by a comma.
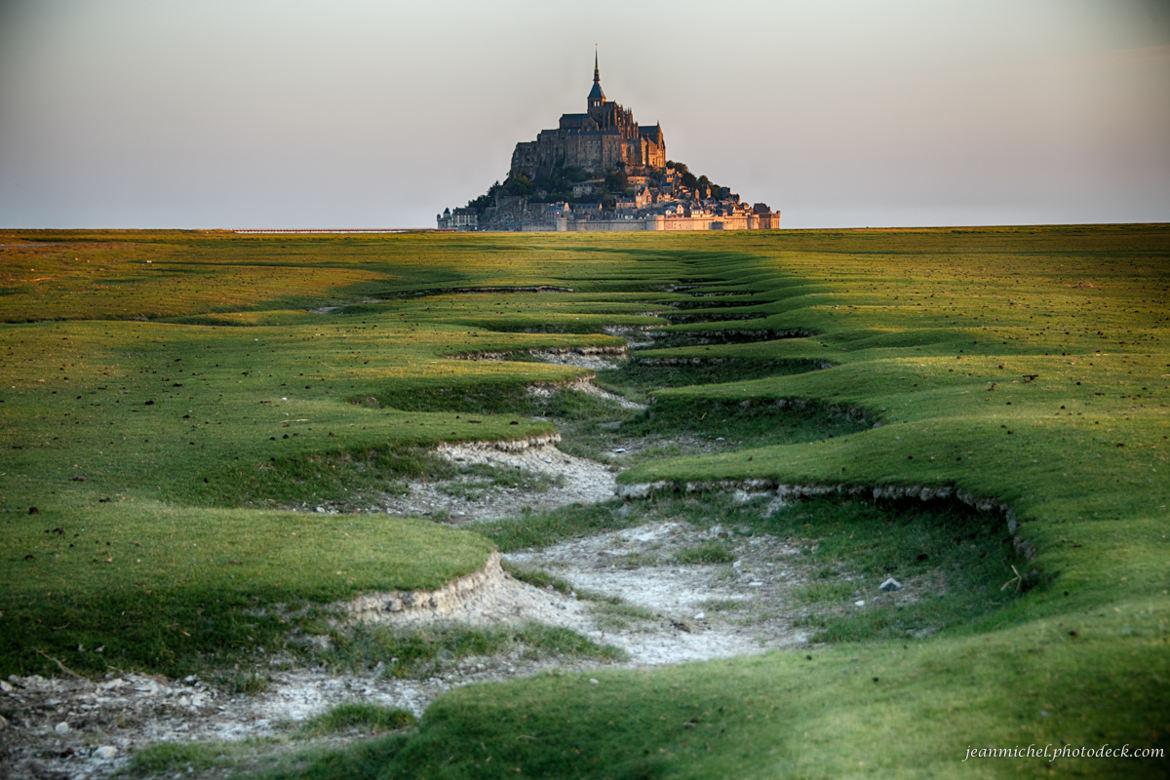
x,y
602,139
600,170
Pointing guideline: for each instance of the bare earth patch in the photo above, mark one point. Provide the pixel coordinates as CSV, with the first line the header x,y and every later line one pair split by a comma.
x,y
572,480
683,611
597,360
693,611
587,386
74,728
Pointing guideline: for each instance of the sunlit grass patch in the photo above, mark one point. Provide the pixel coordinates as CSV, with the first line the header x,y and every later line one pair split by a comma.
x,y
75,276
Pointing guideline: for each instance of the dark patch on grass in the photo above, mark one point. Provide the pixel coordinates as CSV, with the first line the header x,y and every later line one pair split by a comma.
x,y
571,406
357,716
723,299
617,615
483,398
715,316
538,578
951,560
346,480
542,530
705,552
475,479
250,682
153,760
428,651
650,374
173,631
502,399
363,760
732,335
744,424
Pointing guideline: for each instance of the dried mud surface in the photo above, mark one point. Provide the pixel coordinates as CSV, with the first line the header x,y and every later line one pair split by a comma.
x,y
689,611
571,480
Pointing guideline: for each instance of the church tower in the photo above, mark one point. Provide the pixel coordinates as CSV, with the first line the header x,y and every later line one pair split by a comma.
x,y
596,96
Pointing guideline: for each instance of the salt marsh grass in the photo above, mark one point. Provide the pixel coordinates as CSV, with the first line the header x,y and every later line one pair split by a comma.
x,y
168,397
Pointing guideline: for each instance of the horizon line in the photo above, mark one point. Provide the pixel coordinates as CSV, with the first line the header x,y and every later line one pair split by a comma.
x,y
341,230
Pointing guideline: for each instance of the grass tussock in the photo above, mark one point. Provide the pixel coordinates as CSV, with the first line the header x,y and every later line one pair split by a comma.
x,y
357,716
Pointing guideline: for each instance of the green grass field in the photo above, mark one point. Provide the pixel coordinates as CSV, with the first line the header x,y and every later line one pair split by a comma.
x,y
171,404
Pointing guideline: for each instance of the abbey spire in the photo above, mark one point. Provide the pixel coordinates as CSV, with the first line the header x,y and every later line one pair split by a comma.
x,y
596,96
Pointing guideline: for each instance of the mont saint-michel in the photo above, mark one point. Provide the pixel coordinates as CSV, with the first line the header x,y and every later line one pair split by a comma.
x,y
600,170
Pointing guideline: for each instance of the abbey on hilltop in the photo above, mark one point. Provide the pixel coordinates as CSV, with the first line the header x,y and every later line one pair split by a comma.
x,y
604,138
600,171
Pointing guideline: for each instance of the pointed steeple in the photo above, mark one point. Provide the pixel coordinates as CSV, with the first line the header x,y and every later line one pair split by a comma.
x,y
596,96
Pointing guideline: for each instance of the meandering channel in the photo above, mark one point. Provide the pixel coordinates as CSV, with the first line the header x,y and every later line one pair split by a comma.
x,y
663,588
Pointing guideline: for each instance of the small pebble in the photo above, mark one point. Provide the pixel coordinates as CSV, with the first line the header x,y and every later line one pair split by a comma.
x,y
62,728
106,752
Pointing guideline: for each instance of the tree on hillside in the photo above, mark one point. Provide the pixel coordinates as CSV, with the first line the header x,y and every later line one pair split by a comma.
x,y
617,180
703,186
575,174
481,203
519,185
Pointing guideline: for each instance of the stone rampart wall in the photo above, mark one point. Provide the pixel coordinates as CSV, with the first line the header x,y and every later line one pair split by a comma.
x,y
597,225
737,222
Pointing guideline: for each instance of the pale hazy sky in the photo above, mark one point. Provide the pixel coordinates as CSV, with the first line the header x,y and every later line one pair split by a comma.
x,y
376,113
